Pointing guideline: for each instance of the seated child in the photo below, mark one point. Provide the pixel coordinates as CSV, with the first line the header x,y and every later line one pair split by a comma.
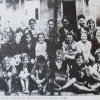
x,y
24,73
69,48
79,76
3,84
96,71
59,72
41,46
7,72
40,73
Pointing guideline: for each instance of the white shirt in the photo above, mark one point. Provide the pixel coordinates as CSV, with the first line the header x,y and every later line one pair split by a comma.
x,y
41,49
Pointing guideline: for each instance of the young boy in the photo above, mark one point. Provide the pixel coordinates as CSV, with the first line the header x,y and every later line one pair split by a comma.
x,y
79,76
7,72
40,73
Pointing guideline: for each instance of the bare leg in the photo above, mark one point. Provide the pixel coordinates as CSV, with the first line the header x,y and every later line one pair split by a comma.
x,y
9,85
23,84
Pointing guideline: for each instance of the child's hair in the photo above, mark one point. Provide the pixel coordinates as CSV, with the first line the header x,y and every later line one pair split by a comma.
x,y
40,34
41,59
96,54
70,33
50,20
59,52
24,55
79,55
32,20
81,16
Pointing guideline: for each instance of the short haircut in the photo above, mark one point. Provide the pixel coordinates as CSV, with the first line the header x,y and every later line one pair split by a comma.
x,y
79,55
50,20
32,20
64,18
70,33
81,16
40,34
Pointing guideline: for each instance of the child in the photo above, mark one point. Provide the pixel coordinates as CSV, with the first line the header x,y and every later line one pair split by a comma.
x,y
3,84
7,71
79,76
40,73
41,46
85,47
96,71
69,48
24,73
59,72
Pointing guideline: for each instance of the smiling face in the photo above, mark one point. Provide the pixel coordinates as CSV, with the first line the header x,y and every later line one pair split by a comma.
x,y
28,38
69,38
41,38
65,23
79,61
51,25
32,25
84,36
6,61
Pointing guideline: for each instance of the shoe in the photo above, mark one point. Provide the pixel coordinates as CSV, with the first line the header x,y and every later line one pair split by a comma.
x,y
26,92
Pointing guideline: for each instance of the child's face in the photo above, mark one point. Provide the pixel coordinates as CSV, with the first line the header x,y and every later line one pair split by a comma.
x,y
81,22
25,60
17,39
59,57
84,37
28,39
51,25
69,38
32,25
41,38
98,34
7,61
98,57
65,23
79,61
17,59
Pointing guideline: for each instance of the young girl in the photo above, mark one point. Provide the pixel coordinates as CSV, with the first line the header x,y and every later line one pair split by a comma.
x,y
41,74
41,46
24,73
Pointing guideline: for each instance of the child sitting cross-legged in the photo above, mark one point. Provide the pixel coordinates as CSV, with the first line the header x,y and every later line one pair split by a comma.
x,y
79,76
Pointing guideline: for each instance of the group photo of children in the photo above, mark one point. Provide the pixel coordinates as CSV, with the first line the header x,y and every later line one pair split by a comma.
x,y
60,60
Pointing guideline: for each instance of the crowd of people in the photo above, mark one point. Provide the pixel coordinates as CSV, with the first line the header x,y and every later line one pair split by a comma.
x,y
64,60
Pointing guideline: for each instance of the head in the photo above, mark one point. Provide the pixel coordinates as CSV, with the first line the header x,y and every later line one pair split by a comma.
x,y
41,38
32,23
65,22
81,20
17,38
98,34
59,55
25,58
16,60
79,59
84,36
91,24
97,55
69,37
28,36
41,61
6,61
51,24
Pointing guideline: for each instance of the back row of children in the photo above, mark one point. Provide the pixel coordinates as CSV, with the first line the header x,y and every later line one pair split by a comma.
x,y
65,60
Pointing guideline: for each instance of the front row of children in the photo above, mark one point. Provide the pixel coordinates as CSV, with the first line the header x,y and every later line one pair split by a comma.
x,y
19,75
